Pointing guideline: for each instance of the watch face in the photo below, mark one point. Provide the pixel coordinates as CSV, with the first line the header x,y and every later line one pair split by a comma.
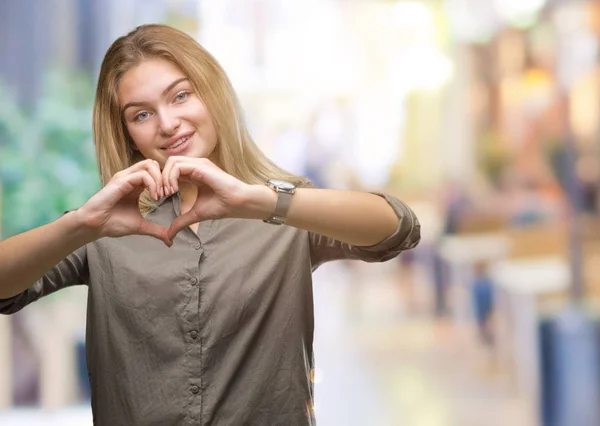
x,y
282,184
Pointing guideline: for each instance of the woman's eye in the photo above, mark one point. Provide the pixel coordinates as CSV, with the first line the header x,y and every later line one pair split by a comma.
x,y
182,96
141,116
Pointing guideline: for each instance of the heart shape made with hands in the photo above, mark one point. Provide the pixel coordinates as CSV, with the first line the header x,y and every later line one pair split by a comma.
x,y
114,211
218,194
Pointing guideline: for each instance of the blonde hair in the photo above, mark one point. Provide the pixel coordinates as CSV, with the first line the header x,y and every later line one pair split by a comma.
x,y
238,154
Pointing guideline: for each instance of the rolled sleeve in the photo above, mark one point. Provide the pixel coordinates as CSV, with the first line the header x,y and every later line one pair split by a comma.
x,y
406,236
73,270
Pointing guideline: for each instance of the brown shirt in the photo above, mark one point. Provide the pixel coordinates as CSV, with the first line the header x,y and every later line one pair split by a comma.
x,y
216,330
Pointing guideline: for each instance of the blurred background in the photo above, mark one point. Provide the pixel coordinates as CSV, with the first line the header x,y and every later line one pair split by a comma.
x,y
483,115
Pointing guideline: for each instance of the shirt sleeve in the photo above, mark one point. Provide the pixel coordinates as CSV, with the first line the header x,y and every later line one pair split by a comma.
x,y
73,270
406,236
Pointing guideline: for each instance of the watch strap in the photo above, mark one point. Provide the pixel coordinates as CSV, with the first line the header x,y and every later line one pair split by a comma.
x,y
278,216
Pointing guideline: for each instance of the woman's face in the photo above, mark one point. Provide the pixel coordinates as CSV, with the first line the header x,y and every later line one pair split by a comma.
x,y
163,113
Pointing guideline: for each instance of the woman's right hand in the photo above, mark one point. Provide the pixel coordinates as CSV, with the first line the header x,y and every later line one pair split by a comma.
x,y
114,212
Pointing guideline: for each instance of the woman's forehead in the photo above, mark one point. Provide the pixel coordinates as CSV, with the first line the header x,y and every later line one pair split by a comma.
x,y
148,79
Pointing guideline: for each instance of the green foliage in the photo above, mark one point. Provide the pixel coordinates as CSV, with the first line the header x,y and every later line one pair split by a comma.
x,y
47,158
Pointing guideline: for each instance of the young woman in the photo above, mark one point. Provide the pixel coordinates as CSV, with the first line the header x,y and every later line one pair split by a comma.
x,y
200,305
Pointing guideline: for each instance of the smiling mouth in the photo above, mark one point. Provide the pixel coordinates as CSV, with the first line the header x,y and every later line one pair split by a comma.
x,y
177,143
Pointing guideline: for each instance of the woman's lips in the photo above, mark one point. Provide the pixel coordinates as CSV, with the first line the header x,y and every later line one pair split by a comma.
x,y
178,147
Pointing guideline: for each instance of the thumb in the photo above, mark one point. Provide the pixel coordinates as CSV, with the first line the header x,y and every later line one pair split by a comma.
x,y
180,223
154,230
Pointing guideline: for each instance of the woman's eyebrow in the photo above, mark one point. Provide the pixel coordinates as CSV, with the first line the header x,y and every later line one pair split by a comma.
x,y
169,87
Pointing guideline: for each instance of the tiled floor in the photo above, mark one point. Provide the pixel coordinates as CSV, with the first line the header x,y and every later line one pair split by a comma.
x,y
381,361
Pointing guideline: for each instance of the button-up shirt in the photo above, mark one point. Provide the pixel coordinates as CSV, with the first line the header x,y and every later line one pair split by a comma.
x,y
215,330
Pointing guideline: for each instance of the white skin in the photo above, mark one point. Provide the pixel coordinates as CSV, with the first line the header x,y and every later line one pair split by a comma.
x,y
159,107
153,117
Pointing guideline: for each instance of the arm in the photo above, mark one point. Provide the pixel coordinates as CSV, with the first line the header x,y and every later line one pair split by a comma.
x,y
406,236
348,220
352,217
112,212
351,225
26,257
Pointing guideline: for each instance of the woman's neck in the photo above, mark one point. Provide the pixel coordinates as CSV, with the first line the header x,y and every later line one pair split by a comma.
x,y
188,193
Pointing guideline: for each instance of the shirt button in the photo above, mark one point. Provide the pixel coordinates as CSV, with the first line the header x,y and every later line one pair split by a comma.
x,y
197,246
194,334
194,389
194,281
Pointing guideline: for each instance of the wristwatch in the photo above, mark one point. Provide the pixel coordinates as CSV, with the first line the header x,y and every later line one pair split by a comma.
x,y
284,191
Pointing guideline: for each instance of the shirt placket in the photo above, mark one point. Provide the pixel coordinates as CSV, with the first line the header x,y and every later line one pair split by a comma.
x,y
193,335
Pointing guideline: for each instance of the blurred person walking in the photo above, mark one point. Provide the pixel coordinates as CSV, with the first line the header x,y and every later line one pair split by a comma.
x,y
210,321
482,294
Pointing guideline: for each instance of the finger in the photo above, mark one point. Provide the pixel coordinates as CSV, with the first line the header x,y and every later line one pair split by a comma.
x,y
173,172
181,222
172,180
129,183
152,167
140,165
173,176
154,230
209,173
188,171
165,174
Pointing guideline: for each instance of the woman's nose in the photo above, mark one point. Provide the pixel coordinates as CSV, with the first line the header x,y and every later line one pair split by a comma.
x,y
169,123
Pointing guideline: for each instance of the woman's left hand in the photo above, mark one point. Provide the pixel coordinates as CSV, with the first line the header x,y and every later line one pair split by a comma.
x,y
219,195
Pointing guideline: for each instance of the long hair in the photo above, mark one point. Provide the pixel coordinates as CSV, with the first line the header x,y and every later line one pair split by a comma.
x,y
238,154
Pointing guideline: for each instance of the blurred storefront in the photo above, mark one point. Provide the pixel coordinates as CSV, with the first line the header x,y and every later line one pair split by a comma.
x,y
532,213
341,80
